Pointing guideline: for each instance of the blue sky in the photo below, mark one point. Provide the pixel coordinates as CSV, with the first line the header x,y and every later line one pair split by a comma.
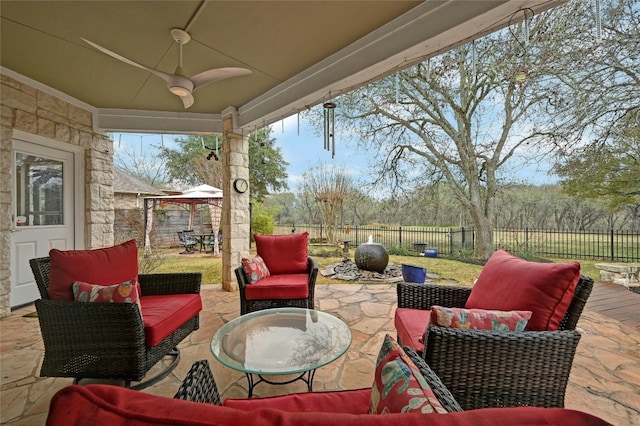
x,y
303,150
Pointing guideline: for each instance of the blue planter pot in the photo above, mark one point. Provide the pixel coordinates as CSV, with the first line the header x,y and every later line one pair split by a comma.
x,y
431,252
413,274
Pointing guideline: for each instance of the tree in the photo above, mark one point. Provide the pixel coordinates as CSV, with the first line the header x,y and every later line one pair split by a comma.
x,y
450,120
461,117
327,187
195,161
144,166
608,171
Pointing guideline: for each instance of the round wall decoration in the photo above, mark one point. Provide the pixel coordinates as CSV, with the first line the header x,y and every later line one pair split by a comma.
x,y
240,185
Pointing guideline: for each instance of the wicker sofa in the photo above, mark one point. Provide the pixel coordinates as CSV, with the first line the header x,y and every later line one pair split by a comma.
x,y
198,403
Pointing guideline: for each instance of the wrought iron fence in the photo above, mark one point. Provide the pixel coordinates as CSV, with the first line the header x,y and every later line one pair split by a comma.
x,y
612,245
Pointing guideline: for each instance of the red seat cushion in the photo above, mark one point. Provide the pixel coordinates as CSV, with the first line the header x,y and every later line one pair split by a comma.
x,y
411,325
283,254
291,286
508,283
348,401
104,266
162,315
115,406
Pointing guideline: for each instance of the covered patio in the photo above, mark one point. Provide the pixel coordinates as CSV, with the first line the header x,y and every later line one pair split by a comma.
x,y
62,91
604,379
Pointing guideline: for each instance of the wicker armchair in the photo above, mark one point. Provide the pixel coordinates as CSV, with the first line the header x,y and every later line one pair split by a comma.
x,y
107,340
247,306
498,368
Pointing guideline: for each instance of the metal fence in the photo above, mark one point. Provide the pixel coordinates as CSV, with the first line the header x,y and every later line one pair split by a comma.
x,y
611,245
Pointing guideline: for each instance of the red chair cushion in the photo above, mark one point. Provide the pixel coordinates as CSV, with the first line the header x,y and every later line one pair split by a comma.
x,y
508,283
354,401
411,325
291,286
116,406
162,315
104,266
283,254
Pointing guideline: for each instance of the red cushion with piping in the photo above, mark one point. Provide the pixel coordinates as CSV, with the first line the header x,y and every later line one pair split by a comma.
x,y
508,283
283,254
411,325
162,315
104,266
77,405
290,286
354,401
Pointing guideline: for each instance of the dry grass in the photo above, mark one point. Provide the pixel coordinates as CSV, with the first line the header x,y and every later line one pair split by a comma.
x,y
169,260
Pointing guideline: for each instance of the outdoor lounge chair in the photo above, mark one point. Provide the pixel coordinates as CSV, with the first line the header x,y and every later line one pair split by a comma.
x,y
286,276
488,368
116,341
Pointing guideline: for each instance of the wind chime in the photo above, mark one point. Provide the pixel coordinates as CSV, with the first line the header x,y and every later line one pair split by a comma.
x,y
330,127
522,72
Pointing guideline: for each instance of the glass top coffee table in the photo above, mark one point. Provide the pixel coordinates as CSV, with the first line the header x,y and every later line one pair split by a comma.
x,y
281,341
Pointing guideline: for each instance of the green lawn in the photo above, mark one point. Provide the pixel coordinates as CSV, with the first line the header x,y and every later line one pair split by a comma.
x,y
211,267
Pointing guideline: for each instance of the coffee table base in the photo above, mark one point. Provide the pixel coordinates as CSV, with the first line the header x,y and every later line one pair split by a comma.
x,y
306,377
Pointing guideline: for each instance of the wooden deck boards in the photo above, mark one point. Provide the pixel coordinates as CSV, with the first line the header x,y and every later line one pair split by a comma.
x,y
615,301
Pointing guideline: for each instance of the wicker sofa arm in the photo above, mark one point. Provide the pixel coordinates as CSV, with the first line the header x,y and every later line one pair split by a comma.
x,y
423,296
508,372
441,392
199,385
171,283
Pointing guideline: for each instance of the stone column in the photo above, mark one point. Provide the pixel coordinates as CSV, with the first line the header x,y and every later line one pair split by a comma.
x,y
235,206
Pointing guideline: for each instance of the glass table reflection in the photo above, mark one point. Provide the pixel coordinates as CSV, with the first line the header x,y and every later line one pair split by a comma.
x,y
281,341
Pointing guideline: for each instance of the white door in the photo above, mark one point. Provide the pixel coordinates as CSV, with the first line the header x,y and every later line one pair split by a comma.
x,y
43,211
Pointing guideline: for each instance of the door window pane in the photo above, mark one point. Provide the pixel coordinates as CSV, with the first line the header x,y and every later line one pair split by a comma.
x,y
39,191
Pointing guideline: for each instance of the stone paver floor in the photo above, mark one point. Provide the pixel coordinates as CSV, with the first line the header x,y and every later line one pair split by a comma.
x,y
605,379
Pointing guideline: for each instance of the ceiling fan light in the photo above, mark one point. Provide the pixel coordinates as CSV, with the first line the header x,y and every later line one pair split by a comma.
x,y
179,91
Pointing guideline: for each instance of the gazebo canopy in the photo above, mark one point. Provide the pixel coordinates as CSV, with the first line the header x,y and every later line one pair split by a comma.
x,y
202,194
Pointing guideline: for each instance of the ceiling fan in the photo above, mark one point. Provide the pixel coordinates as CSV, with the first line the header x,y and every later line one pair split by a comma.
x,y
178,82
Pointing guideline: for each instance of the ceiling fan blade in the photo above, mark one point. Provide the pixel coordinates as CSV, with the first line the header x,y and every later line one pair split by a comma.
x,y
217,74
106,51
187,100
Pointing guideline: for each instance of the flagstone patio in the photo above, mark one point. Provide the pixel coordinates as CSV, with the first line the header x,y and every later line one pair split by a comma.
x,y
605,380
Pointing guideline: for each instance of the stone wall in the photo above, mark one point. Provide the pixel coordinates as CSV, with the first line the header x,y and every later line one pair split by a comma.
x,y
33,111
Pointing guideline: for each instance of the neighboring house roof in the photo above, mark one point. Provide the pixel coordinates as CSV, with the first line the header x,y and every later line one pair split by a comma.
x,y
125,183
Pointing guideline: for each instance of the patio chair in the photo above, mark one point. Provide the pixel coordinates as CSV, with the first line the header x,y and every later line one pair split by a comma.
x,y
188,241
115,341
209,241
281,275
487,368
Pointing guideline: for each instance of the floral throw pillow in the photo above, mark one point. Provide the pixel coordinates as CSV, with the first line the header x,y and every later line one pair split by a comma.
x,y
126,292
255,269
479,319
398,386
